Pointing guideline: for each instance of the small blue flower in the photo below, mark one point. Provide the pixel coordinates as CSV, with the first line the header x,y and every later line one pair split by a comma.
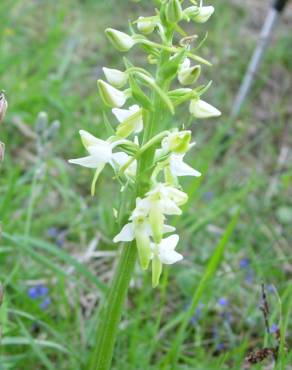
x,y
46,302
38,291
198,313
220,347
244,263
32,292
274,328
223,301
271,289
53,232
208,196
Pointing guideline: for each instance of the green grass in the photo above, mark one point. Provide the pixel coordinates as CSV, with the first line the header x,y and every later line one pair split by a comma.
x,y
51,54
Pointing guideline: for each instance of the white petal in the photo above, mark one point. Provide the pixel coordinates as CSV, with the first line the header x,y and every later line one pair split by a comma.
x,y
122,114
170,242
169,207
168,229
89,140
120,158
166,251
179,168
177,196
90,161
115,77
126,234
103,152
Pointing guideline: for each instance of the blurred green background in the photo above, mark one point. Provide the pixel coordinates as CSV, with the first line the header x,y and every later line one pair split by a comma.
x,y
56,254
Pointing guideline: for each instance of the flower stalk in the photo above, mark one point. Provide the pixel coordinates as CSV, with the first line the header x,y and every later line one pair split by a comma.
x,y
146,154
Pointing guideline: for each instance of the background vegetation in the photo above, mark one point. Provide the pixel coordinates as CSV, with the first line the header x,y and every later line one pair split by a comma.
x,y
56,254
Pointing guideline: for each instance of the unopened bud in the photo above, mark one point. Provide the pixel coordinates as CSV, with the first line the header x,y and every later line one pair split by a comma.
x,y
3,106
111,96
146,25
2,151
115,77
120,40
201,109
174,11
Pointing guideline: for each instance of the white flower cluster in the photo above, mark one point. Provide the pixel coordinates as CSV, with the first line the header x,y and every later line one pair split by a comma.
x,y
163,197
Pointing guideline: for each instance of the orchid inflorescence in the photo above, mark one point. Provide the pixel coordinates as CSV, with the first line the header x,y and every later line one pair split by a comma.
x,y
143,152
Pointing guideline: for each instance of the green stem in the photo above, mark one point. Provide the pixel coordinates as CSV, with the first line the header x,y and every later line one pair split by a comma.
x,y
111,313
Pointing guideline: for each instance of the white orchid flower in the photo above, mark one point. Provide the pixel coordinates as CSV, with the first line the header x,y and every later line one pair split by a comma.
x,y
188,75
100,152
199,14
131,120
204,14
201,109
115,77
111,96
164,253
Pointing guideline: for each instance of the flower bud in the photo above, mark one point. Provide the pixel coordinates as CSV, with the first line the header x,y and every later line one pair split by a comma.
x,y
190,75
174,11
177,142
110,95
120,40
2,151
201,109
3,106
146,25
115,77
199,14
